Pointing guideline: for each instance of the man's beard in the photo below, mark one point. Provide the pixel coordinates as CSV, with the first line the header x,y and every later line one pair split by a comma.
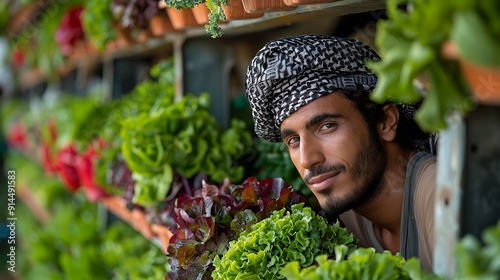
x,y
367,171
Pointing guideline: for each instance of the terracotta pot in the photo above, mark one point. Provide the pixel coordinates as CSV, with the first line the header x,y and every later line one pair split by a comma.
x,y
484,82
235,10
82,49
141,224
138,220
162,4
143,35
256,6
118,206
200,13
303,2
164,234
160,24
123,39
181,19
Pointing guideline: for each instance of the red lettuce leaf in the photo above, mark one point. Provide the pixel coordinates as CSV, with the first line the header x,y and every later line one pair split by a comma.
x,y
213,216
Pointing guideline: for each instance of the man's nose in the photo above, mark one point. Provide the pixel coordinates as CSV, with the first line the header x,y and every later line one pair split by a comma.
x,y
310,152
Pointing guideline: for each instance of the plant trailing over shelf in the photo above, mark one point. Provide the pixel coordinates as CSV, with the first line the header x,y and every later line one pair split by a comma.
x,y
410,43
213,216
215,16
265,247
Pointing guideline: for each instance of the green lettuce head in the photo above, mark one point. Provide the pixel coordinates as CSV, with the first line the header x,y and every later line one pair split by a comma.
x,y
282,238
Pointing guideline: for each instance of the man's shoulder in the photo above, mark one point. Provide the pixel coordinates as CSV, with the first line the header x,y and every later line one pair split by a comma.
x,y
425,165
426,172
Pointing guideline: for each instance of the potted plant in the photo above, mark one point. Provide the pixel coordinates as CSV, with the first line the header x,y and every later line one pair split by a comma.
x,y
235,9
259,6
180,17
219,12
411,42
134,16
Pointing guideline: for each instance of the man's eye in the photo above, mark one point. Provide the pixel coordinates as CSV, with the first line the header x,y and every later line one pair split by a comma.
x,y
292,141
327,126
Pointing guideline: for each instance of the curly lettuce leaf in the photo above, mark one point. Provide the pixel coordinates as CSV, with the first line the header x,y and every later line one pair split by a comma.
x,y
262,251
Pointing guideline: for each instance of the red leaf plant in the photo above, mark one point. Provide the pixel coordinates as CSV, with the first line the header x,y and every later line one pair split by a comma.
x,y
66,165
86,169
70,30
17,137
48,141
213,216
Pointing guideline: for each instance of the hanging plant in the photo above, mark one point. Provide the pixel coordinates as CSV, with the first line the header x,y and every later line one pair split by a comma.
x,y
215,16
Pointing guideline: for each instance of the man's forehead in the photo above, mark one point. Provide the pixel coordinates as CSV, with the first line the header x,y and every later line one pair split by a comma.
x,y
333,105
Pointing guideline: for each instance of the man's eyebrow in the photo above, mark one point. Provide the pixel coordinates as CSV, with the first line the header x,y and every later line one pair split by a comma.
x,y
321,117
286,132
313,121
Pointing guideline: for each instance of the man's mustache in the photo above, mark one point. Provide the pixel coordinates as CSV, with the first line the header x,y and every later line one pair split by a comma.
x,y
321,169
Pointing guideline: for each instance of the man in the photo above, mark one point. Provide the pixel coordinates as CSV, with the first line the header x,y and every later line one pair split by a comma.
x,y
359,159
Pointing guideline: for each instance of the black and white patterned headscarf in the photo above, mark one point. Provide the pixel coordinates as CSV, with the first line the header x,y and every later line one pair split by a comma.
x,y
291,72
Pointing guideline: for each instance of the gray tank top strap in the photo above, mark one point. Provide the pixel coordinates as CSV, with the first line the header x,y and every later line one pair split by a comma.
x,y
408,243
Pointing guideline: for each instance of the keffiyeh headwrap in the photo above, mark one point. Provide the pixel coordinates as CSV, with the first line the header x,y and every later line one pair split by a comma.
x,y
291,72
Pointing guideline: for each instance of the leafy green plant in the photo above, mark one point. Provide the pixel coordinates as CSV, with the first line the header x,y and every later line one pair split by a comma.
x,y
4,16
477,261
262,251
72,245
112,171
181,136
410,43
97,20
215,16
39,44
362,263
164,139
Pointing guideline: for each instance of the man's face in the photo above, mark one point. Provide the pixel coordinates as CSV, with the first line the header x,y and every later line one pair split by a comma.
x,y
340,159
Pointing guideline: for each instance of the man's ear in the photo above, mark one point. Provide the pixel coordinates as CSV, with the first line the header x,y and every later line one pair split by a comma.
x,y
389,125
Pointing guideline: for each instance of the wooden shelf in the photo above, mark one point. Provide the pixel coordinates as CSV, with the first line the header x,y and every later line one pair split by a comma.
x,y
166,44
301,13
31,201
158,234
